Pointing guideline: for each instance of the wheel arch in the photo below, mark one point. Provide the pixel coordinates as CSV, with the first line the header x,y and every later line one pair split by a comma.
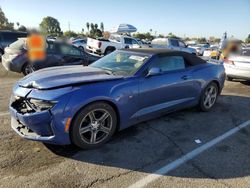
x,y
110,48
218,85
111,103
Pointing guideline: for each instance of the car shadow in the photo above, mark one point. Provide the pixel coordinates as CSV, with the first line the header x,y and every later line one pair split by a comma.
x,y
148,145
244,82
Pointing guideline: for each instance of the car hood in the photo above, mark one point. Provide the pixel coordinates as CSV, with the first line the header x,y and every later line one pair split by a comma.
x,y
57,77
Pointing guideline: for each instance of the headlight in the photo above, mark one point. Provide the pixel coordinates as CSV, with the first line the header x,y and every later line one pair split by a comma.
x,y
40,105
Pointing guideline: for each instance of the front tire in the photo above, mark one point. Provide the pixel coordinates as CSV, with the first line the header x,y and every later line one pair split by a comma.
x,y
93,126
209,97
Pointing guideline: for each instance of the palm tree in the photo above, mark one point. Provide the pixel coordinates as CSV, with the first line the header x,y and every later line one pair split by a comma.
x,y
92,27
102,27
87,25
96,26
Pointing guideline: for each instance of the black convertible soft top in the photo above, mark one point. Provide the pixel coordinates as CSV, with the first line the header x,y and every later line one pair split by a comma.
x,y
190,58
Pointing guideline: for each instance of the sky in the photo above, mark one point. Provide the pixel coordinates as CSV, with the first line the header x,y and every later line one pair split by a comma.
x,y
185,18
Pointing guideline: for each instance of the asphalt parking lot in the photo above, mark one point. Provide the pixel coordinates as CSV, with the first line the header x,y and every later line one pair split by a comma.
x,y
137,152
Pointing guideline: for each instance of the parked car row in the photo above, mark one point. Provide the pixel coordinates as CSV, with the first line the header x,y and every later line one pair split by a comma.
x,y
118,41
74,53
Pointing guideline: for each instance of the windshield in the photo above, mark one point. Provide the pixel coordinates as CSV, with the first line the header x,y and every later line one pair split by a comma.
x,y
121,63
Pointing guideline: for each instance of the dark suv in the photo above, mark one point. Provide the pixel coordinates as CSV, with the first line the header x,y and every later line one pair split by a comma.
x,y
8,37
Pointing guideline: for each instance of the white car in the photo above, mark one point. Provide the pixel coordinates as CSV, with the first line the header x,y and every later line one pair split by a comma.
x,y
80,43
200,48
102,46
238,66
212,52
173,44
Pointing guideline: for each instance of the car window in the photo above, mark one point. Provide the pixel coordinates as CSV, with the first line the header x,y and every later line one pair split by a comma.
x,y
170,63
50,47
115,38
69,50
128,41
182,44
134,41
174,42
12,37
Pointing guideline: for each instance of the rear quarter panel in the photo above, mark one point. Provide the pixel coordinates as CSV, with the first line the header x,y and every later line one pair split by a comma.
x,y
209,72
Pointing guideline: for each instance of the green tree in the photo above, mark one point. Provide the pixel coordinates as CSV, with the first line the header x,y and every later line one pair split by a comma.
x,y
50,26
171,35
4,23
87,25
70,34
96,27
147,36
22,28
247,40
92,27
161,36
102,27
201,40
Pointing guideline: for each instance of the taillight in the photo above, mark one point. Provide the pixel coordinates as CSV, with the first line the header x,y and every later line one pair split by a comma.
x,y
99,44
229,62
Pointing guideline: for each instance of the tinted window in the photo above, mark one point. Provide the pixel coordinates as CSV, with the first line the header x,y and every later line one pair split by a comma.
x,y
128,41
170,63
69,50
134,41
50,47
11,37
174,42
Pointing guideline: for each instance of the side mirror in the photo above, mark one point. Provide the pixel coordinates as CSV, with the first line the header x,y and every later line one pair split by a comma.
x,y
153,71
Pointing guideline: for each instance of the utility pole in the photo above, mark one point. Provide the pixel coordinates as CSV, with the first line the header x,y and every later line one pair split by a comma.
x,y
69,26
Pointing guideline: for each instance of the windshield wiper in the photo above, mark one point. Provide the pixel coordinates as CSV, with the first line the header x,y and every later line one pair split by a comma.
x,y
109,71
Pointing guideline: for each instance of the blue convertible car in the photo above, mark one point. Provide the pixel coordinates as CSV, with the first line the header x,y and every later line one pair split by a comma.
x,y
87,105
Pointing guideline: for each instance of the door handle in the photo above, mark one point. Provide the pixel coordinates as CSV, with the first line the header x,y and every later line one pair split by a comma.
x,y
185,77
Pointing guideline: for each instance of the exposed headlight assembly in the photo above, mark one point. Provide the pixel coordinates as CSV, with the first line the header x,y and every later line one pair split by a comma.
x,y
40,105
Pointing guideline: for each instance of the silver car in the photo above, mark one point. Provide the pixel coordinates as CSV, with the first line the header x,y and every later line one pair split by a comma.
x,y
238,65
80,43
173,44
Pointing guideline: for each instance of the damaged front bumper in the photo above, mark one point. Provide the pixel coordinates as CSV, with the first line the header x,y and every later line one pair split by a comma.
x,y
35,125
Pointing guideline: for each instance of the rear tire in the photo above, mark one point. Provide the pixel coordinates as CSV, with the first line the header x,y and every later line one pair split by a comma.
x,y
81,48
209,97
1,53
27,69
228,78
93,126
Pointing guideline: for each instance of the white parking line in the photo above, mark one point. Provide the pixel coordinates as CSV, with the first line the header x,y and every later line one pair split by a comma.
x,y
4,113
171,166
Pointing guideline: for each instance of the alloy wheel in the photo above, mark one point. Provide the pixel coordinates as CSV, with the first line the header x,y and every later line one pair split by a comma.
x,y
210,96
95,126
28,69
